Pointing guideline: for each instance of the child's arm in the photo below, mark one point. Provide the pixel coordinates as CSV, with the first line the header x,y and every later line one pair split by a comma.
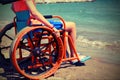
x,y
35,13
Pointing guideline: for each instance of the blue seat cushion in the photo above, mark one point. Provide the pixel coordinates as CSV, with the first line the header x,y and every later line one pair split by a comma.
x,y
57,24
23,15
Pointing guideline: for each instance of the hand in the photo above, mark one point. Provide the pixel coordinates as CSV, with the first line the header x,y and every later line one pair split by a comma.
x,y
57,32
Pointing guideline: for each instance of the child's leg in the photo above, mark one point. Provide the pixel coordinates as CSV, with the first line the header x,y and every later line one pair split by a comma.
x,y
71,28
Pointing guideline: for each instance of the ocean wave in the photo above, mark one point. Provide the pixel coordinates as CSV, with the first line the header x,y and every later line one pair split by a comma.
x,y
85,42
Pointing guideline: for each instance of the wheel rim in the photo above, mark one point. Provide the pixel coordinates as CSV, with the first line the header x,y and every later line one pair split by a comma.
x,y
37,58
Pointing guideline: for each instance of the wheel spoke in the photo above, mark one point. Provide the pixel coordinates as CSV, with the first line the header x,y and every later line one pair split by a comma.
x,y
39,35
46,45
8,37
42,64
30,41
23,45
6,47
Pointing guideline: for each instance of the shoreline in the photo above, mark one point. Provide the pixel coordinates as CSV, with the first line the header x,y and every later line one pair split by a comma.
x,y
62,1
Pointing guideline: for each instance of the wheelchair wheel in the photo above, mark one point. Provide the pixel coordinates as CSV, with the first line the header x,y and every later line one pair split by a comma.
x,y
36,52
7,35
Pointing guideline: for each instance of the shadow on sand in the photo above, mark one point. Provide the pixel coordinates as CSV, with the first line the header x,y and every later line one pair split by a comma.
x,y
7,71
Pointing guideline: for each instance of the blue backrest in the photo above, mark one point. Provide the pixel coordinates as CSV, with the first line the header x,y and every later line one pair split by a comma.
x,y
22,19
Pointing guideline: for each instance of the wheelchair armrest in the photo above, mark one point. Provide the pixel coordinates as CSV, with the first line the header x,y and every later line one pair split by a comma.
x,y
54,16
7,1
48,16
61,19
58,17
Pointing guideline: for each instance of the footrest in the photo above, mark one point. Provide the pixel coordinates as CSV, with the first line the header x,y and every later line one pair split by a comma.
x,y
85,59
81,62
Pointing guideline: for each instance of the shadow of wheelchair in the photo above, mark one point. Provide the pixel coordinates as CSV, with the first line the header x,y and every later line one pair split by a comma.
x,y
7,71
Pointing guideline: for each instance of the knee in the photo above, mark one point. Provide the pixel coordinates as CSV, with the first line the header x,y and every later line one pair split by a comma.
x,y
73,24
70,26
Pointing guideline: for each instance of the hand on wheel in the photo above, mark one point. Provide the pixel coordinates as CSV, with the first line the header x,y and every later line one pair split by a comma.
x,y
57,32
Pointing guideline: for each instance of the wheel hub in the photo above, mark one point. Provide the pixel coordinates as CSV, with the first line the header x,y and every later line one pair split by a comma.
x,y
37,52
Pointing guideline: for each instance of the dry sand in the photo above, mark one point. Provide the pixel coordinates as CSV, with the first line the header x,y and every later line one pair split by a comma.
x,y
94,69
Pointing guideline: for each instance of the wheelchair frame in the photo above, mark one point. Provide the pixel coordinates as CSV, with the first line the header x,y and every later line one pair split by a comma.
x,y
31,45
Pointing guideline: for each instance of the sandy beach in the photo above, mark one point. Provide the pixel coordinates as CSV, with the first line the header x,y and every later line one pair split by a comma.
x,y
95,69
100,67
98,35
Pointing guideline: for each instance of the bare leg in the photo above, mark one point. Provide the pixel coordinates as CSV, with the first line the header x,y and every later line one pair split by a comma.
x,y
71,29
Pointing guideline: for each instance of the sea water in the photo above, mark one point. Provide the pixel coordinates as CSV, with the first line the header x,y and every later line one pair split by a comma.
x,y
101,16
97,23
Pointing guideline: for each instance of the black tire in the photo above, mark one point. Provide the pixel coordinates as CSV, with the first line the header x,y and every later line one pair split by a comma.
x,y
7,35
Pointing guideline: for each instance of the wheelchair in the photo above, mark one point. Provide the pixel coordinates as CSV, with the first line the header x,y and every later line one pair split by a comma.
x,y
35,51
